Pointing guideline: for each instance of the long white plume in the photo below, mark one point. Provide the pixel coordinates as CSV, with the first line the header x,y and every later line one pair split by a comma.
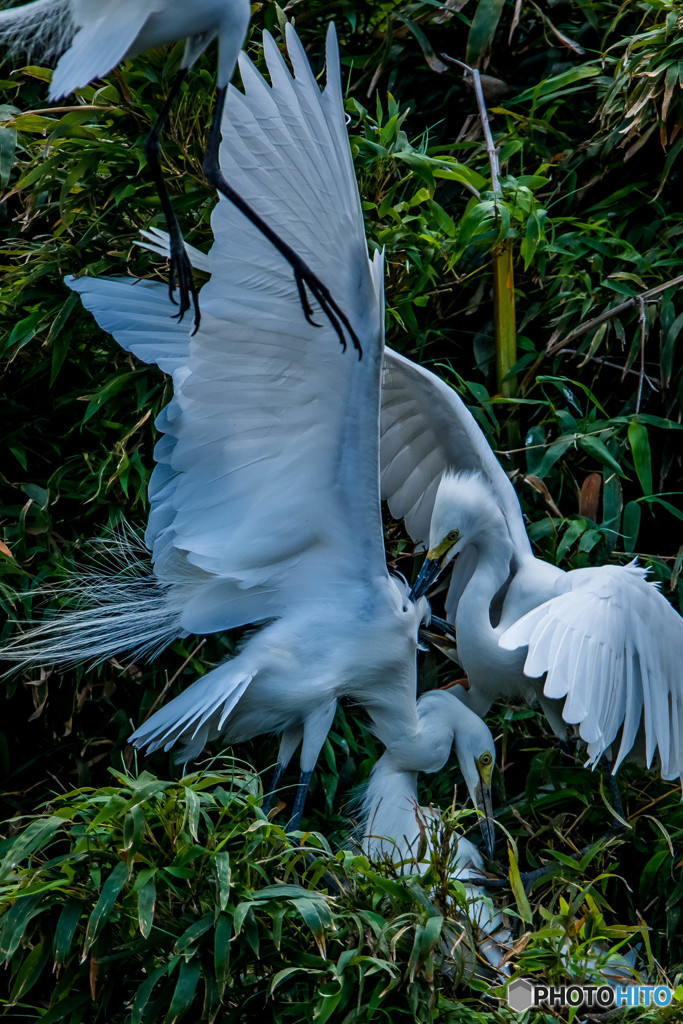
x,y
43,29
120,608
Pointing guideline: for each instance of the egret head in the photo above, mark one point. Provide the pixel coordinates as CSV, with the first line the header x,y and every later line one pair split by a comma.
x,y
444,717
476,754
462,505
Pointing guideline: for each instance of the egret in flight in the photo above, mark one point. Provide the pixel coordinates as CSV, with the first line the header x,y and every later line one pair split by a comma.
x,y
265,503
90,37
600,647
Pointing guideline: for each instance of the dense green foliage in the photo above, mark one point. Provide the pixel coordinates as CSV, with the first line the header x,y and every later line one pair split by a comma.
x,y
586,107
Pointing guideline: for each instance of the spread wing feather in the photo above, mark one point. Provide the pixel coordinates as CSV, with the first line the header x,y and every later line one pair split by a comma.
x,y
266,477
612,647
100,43
426,428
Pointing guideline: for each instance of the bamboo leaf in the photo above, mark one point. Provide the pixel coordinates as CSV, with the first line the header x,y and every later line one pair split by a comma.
x,y
183,995
30,971
146,901
65,930
221,862
221,951
642,458
518,889
482,30
631,525
16,921
107,898
194,932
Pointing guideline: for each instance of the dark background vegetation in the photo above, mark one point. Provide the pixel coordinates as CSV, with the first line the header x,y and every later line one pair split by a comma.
x,y
586,107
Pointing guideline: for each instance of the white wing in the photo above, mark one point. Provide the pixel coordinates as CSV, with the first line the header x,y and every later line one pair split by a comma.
x,y
267,478
613,647
106,31
425,429
138,314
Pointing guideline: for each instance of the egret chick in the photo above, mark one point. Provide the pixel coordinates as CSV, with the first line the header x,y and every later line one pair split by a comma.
x,y
90,37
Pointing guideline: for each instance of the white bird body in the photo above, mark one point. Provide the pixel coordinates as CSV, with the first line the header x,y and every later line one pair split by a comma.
x,y
601,648
289,675
91,37
264,501
394,826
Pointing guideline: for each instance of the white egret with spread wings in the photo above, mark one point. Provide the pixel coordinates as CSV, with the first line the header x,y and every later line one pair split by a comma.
x,y
600,647
264,501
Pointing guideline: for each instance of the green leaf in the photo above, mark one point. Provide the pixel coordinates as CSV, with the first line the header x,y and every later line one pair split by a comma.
x,y
557,85
133,829
482,30
8,148
194,932
642,458
147,894
30,971
612,505
595,447
518,889
105,904
186,986
142,996
221,862
193,804
569,538
631,525
221,951
65,930
15,922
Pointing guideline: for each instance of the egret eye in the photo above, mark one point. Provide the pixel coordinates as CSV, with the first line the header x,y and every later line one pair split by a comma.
x,y
454,534
486,759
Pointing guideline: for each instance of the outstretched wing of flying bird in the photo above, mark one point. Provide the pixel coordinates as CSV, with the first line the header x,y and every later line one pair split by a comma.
x,y
426,428
266,483
612,646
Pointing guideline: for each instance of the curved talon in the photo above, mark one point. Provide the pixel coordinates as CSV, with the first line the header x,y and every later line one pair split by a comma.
x,y
305,279
335,315
303,299
180,275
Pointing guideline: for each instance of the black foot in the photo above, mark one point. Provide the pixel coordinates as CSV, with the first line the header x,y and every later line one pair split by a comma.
x,y
305,278
181,276
303,275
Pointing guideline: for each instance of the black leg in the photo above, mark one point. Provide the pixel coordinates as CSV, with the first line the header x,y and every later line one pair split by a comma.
x,y
301,793
181,268
303,275
273,788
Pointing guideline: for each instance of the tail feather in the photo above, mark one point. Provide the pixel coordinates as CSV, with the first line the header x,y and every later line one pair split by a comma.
x,y
42,29
122,608
198,713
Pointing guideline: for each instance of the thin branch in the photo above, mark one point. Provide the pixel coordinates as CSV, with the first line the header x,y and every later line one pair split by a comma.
x,y
650,293
653,382
641,318
484,118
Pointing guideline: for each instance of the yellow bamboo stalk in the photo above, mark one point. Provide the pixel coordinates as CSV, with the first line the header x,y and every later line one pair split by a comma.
x,y
504,317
